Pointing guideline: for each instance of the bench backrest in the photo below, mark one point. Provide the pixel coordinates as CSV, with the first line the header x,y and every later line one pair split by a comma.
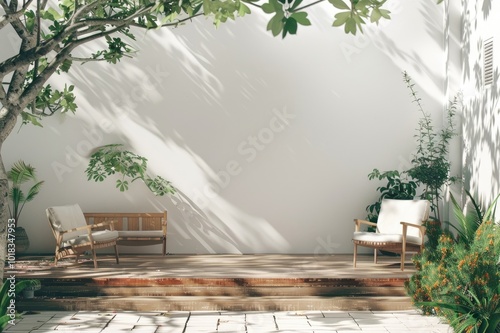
x,y
130,221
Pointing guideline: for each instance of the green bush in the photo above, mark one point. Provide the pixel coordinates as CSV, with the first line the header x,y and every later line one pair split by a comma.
x,y
460,281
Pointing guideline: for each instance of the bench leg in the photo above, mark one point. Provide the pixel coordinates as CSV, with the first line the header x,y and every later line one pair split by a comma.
x,y
116,254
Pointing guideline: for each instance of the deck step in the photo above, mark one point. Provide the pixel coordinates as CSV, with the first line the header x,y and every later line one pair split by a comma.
x,y
216,303
212,294
200,291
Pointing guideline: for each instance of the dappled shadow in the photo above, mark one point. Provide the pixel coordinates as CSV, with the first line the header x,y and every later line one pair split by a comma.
x,y
481,109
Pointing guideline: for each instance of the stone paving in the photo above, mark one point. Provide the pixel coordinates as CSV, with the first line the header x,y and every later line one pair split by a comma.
x,y
215,321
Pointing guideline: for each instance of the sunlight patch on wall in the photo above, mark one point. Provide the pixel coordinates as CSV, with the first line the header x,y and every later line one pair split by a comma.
x,y
200,211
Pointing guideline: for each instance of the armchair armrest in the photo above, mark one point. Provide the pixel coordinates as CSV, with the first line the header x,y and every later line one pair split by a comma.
x,y
359,222
408,224
105,223
89,227
421,228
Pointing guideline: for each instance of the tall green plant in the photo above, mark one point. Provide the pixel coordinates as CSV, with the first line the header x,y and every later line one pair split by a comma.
x,y
20,174
430,164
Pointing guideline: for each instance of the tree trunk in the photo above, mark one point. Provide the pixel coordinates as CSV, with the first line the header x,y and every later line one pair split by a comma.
x,y
4,214
8,119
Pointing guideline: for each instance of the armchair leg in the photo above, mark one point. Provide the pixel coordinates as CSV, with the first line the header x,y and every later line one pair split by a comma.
x,y
355,255
375,259
94,257
164,249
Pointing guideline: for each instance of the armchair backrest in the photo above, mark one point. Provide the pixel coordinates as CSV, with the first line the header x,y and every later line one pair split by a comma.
x,y
393,211
62,218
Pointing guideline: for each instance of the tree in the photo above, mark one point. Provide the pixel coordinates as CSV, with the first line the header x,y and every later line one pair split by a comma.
x,y
51,34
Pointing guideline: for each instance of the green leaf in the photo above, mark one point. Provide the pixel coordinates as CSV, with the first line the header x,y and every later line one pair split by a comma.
x,y
341,18
276,24
350,26
376,15
339,4
243,9
290,26
29,118
268,8
30,20
66,65
301,18
385,13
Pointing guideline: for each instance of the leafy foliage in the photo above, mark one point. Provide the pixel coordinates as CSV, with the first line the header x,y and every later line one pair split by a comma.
x,y
470,218
6,296
113,159
459,278
353,16
397,187
20,174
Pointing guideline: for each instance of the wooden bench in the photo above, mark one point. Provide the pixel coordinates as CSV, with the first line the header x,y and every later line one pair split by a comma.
x,y
135,228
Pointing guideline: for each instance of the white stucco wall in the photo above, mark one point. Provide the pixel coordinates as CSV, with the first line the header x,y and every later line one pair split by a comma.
x,y
481,158
269,141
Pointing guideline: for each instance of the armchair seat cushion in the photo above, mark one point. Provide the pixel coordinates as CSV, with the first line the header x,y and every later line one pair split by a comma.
x,y
140,234
103,236
372,237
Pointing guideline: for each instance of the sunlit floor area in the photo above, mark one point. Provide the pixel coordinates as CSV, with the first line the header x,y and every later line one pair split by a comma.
x,y
213,266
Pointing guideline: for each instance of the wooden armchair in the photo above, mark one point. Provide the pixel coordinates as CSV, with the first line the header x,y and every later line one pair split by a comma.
x,y
74,236
399,228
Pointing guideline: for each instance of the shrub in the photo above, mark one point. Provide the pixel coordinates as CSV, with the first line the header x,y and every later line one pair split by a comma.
x,y
460,281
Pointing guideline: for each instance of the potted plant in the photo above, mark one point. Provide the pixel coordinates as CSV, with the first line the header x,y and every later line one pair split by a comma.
x,y
21,175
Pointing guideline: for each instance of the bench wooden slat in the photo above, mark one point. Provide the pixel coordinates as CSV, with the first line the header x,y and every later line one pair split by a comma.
x,y
135,222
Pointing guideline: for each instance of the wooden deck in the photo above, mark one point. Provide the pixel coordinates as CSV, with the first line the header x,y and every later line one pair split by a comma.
x,y
217,282
210,266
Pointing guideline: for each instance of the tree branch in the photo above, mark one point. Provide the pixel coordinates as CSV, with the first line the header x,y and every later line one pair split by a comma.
x,y
181,21
37,84
8,18
3,93
84,10
309,5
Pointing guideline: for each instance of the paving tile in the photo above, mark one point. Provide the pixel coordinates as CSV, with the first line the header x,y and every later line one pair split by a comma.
x,y
336,314
230,321
118,327
166,329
